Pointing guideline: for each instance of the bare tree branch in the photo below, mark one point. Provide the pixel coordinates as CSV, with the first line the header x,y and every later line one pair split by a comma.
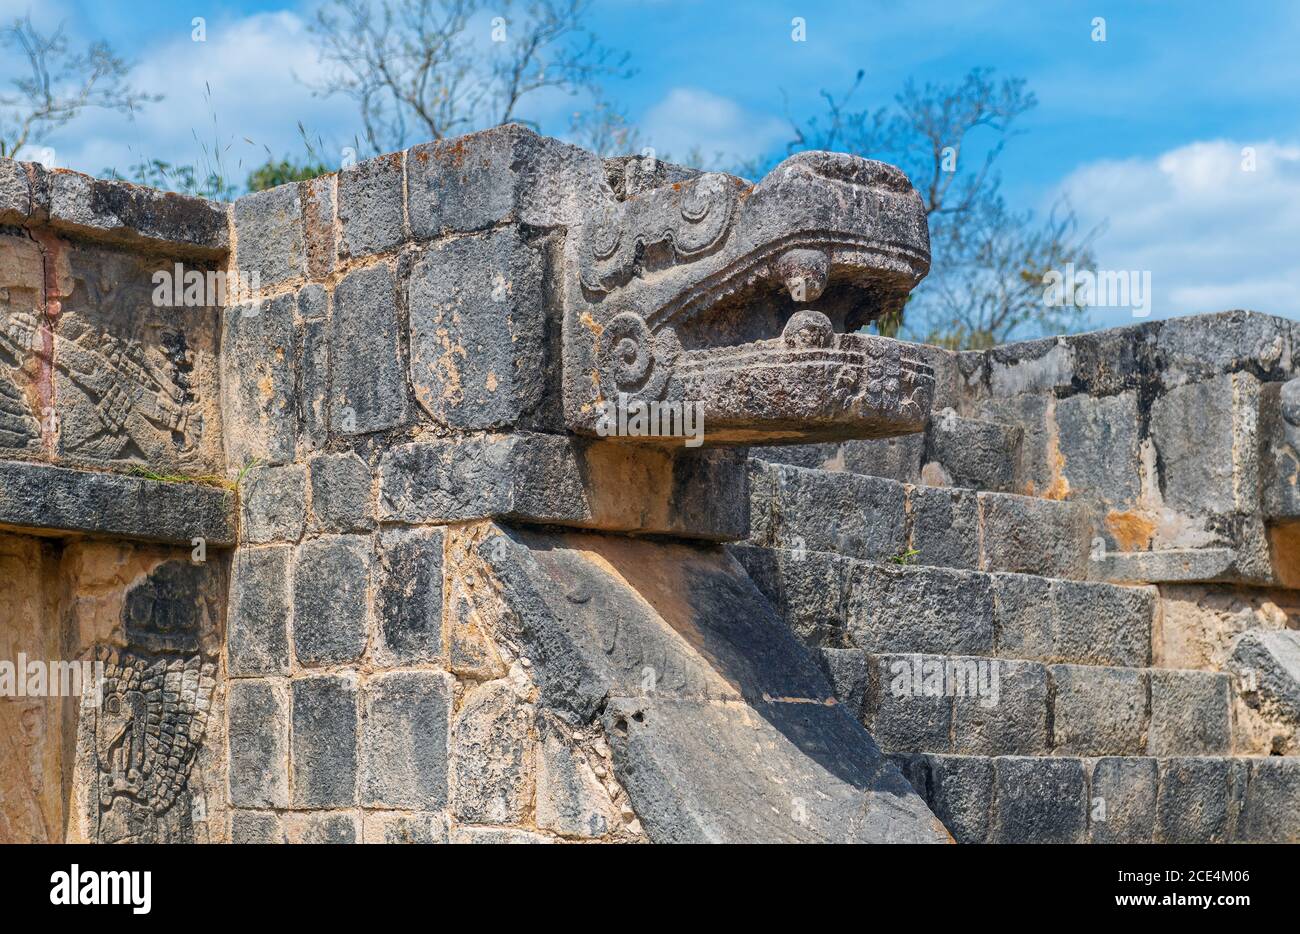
x,y
59,84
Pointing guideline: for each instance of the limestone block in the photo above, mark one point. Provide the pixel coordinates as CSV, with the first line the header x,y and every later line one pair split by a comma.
x,y
370,206
258,615
1206,435
492,756
367,378
341,498
259,743
479,357
1199,799
1006,713
945,527
1191,713
324,755
269,237
409,596
1038,800
273,504
908,609
1098,711
1033,536
1122,800
330,583
405,721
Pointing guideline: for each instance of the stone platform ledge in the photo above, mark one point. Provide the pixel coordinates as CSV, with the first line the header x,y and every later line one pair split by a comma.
x,y
44,499
112,211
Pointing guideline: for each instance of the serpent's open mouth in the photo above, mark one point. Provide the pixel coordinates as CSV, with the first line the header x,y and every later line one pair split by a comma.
x,y
747,303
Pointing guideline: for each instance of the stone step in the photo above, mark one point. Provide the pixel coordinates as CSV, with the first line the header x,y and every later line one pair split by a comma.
x,y
952,451
975,705
874,518
837,602
1069,799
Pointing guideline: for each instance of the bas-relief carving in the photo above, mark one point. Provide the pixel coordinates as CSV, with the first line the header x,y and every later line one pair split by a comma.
x,y
745,299
139,740
112,377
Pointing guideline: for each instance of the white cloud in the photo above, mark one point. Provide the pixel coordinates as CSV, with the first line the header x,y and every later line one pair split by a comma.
x,y
251,66
1213,235
688,117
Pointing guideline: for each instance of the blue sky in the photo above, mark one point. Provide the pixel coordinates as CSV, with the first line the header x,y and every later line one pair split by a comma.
x,y
1144,131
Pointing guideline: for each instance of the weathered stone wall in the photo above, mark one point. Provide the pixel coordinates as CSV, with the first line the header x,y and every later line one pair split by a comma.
x,y
360,567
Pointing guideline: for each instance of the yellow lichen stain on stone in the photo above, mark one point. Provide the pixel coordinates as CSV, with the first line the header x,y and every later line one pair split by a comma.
x,y
592,324
491,382
1132,530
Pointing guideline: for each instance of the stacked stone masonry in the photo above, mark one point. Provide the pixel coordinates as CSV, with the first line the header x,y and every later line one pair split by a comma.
x,y
362,564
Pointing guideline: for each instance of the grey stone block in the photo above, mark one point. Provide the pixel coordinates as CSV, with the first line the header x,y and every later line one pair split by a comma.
x,y
339,827
504,174
370,206
408,597
479,354
1025,617
390,827
1203,346
492,755
1271,810
258,827
259,744
1199,799
405,719
908,708
808,589
1040,366
1098,711
973,453
1191,713
1038,800
847,514
1038,471
959,789
273,504
525,475
945,527
39,496
909,609
15,193
849,672
269,238
1268,664
367,379
259,401
324,742
1006,713
892,458
571,801
1102,624
120,212
1028,535
313,398
330,583
341,499
318,196
1122,800
258,614
1206,436
1098,438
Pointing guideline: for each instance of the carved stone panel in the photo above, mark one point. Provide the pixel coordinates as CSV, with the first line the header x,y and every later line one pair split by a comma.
x,y
96,368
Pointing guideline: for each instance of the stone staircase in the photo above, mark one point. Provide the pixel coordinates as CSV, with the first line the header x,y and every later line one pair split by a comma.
x,y
1019,698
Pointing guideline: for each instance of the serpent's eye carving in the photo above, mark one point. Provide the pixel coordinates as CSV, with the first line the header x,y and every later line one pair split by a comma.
x,y
634,360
